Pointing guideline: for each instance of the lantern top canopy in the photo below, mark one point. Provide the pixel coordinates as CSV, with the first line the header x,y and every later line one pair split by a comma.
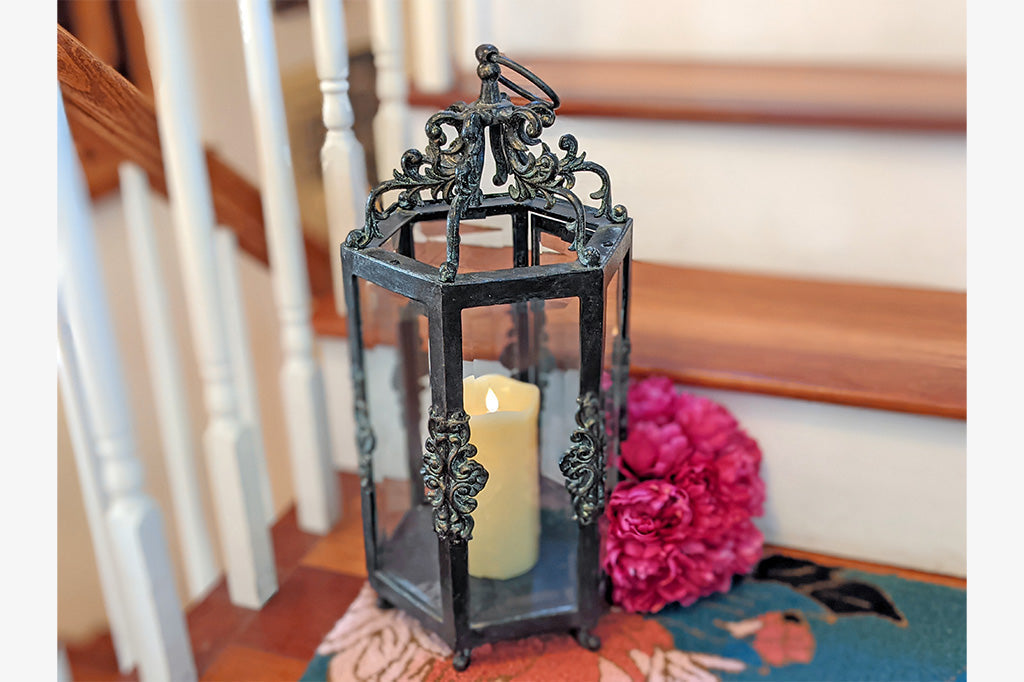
x,y
531,173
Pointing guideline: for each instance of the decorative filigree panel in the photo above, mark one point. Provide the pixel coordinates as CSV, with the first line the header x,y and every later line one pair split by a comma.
x,y
583,463
450,474
365,439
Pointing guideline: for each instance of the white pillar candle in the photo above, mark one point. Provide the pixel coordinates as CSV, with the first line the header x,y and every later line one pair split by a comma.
x,y
503,427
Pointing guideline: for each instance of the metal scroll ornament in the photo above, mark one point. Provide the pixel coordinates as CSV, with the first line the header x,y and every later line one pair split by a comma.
x,y
582,464
365,438
452,173
451,476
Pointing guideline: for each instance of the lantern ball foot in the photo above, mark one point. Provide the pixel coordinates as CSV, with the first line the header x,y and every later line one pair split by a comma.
x,y
383,604
588,640
460,661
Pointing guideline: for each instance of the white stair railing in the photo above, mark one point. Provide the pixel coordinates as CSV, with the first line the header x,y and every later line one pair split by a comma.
x,y
159,637
391,124
95,500
431,41
233,465
232,302
342,159
316,490
169,394
63,668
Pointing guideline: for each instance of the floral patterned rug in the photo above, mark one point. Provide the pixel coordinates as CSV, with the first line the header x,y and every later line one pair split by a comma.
x,y
790,619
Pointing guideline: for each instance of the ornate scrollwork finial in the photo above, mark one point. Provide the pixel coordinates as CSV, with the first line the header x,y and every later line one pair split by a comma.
x,y
451,172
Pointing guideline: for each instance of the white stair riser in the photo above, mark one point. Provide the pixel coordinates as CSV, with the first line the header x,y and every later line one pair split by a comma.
x,y
865,206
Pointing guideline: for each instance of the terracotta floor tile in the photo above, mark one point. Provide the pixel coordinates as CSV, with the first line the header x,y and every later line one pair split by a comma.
x,y
342,552
95,660
242,664
214,622
294,620
290,543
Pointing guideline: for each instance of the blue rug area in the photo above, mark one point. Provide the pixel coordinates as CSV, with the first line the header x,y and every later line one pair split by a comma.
x,y
791,619
797,620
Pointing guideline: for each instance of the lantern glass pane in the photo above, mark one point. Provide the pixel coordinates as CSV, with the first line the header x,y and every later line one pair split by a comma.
x,y
522,558
613,377
396,357
552,249
485,243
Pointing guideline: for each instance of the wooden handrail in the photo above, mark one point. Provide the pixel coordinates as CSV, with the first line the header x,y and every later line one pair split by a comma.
x,y
905,99
109,115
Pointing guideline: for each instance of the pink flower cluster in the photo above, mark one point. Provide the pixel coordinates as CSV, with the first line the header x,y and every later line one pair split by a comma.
x,y
678,526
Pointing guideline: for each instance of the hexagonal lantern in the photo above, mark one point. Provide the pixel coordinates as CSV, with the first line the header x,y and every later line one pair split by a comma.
x,y
489,367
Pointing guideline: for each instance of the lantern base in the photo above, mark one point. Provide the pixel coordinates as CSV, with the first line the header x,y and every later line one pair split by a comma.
x,y
588,640
460,661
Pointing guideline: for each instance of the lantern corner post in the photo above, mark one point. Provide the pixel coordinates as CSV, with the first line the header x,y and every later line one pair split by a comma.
x,y
365,438
447,442
583,464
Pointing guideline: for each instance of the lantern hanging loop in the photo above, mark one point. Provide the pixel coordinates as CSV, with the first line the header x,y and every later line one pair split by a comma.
x,y
490,53
450,172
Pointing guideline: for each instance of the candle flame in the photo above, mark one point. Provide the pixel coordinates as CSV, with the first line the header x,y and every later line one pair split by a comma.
x,y
491,401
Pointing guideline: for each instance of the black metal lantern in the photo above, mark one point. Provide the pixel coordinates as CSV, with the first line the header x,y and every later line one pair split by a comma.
x,y
488,377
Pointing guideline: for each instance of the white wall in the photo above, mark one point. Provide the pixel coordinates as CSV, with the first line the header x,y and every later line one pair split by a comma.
x,y
854,205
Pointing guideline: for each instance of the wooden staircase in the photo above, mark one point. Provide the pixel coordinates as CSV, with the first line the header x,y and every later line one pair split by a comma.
x,y
883,348
889,348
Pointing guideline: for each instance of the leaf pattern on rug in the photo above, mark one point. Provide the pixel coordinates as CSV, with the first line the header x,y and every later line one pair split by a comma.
x,y
383,646
370,644
828,586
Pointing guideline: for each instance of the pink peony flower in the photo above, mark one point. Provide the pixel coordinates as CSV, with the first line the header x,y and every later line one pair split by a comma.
x,y
647,512
653,451
652,399
679,527
738,464
707,423
645,578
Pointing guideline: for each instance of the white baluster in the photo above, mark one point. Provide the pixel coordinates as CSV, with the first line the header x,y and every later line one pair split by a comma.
x,y
432,59
475,27
234,469
63,668
168,390
316,490
160,637
342,159
390,126
77,414
242,369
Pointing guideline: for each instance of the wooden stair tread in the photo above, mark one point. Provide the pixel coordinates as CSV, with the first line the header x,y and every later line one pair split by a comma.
x,y
889,348
815,95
